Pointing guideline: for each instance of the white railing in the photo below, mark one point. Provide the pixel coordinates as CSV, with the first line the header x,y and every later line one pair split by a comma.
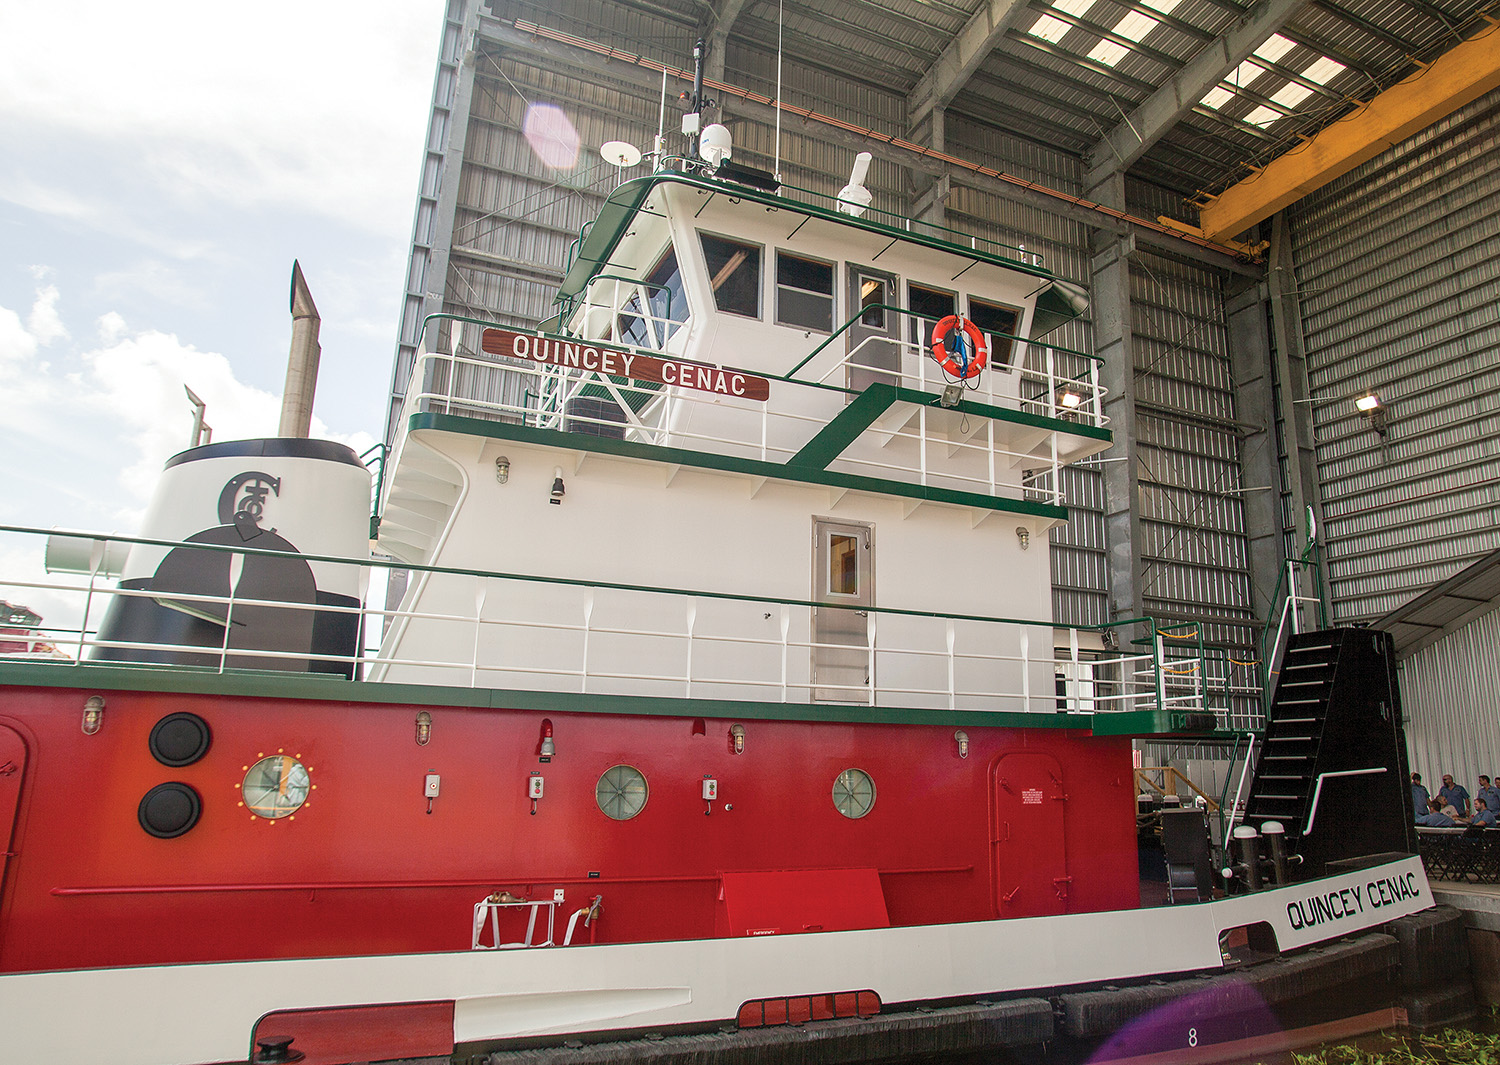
x,y
514,632
913,443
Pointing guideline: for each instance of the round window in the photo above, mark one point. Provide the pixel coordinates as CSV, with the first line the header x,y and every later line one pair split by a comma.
x,y
276,786
853,793
621,793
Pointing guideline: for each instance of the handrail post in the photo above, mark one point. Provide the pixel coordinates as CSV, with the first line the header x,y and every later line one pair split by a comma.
x,y
786,626
692,621
1025,670
236,567
588,617
1158,656
872,619
952,673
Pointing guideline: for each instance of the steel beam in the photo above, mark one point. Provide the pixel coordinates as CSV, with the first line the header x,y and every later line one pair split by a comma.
x,y
717,34
1250,364
1462,74
1133,137
964,54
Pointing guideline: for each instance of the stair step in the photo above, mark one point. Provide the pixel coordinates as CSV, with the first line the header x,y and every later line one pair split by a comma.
x,y
1295,720
1283,776
1287,758
1278,798
1289,739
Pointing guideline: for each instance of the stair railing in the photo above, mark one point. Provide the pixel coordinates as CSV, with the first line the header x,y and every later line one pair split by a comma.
x,y
1290,606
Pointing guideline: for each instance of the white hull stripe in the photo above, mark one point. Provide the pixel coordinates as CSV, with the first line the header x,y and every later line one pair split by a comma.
x,y
138,1013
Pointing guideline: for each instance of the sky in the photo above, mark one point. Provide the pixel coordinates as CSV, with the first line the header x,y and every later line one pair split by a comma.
x,y
164,162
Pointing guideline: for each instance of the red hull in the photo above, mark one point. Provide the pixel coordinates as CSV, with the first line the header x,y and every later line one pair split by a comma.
x,y
1033,821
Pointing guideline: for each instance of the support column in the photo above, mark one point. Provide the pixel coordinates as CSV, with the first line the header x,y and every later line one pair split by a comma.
x,y
1245,313
931,192
1301,474
1109,308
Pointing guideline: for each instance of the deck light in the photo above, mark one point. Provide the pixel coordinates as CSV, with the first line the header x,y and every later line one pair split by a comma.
x,y
1023,536
558,488
952,396
424,728
1069,398
962,739
737,739
547,748
1367,403
502,469
93,714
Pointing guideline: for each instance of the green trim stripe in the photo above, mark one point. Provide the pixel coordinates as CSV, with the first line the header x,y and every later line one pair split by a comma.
x,y
109,677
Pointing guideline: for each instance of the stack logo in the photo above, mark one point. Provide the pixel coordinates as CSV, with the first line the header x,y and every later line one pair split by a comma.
x,y
242,503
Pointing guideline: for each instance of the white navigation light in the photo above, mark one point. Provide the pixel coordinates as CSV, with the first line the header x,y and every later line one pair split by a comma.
x,y
854,198
715,145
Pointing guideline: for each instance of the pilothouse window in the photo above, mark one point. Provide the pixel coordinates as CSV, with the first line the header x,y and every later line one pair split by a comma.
x,y
666,307
733,274
933,305
993,319
804,293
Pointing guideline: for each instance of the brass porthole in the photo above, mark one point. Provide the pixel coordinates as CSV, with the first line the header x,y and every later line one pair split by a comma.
x,y
276,787
621,792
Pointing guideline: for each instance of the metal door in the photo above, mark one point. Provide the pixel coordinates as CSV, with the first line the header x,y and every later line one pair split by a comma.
x,y
1028,844
872,341
12,772
843,574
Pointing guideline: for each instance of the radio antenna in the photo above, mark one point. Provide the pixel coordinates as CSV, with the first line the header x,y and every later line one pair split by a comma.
x,y
779,21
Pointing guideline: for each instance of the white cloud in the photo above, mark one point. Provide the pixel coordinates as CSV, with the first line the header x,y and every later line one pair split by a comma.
x,y
43,322
238,104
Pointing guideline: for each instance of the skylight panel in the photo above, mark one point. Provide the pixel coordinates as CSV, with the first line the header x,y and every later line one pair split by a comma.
x,y
1166,7
1245,73
1136,25
1275,47
1050,29
1109,53
1291,95
1263,116
1217,97
1324,71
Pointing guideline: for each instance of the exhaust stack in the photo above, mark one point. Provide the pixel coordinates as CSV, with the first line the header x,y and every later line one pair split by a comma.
x,y
302,362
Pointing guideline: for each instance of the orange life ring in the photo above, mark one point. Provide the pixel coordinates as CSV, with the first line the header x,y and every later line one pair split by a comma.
x,y
968,356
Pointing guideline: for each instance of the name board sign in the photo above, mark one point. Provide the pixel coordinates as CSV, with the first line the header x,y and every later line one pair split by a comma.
x,y
621,362
1334,906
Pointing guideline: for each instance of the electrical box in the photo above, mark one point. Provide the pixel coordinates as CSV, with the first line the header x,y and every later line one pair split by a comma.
x,y
710,789
430,787
534,786
691,123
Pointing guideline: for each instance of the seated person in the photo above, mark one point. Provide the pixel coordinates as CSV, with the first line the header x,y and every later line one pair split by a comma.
x,y
1435,818
1454,795
1483,815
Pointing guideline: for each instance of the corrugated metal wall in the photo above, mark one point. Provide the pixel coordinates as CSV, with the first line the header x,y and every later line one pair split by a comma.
x,y
1194,554
1448,692
1398,268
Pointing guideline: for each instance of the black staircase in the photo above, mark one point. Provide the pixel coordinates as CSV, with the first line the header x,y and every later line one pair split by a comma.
x,y
1335,718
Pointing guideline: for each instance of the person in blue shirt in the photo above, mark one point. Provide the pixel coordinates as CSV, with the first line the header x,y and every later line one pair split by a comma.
x,y
1483,815
1490,795
1419,795
1454,795
1435,818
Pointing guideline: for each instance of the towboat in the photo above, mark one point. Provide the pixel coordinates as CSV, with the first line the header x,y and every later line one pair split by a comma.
x,y
700,674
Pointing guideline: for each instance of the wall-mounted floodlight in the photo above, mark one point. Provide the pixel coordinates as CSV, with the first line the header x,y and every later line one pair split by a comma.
x,y
1375,412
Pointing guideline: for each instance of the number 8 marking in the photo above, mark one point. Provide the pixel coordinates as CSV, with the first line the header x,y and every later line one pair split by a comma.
x,y
1192,1037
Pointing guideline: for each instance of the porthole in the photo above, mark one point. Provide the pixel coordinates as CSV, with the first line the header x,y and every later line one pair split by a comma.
x,y
179,739
276,786
853,793
168,810
621,792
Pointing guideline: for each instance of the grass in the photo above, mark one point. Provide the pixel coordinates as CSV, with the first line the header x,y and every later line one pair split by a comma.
x,y
1451,1046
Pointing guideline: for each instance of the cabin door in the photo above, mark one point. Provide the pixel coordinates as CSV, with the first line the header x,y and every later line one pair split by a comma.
x,y
1028,845
12,771
844,578
872,342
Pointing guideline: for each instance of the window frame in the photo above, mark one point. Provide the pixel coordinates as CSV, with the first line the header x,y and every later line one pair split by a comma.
x,y
832,293
760,252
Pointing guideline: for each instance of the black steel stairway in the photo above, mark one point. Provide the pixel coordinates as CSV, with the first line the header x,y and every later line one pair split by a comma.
x,y
1335,716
